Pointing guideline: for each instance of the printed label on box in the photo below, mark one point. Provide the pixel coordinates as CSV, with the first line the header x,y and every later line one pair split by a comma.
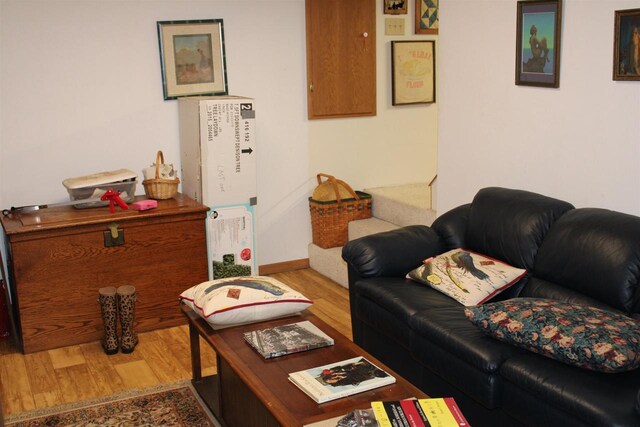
x,y
231,241
229,166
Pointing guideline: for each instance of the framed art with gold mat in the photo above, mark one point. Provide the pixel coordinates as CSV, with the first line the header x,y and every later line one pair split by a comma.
x,y
192,58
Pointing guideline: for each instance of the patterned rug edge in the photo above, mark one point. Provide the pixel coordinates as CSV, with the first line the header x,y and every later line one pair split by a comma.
x,y
129,394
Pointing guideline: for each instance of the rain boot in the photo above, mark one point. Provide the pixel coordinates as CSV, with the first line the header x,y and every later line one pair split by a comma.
x,y
109,308
126,307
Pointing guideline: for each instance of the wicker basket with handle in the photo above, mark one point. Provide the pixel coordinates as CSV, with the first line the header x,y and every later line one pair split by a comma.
x,y
160,188
330,218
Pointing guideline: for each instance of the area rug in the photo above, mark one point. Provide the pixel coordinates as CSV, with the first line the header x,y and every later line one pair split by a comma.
x,y
174,405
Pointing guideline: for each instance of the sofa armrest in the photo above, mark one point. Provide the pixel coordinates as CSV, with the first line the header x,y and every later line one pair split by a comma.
x,y
392,253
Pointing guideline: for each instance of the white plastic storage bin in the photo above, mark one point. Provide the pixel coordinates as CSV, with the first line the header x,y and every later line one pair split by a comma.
x,y
94,186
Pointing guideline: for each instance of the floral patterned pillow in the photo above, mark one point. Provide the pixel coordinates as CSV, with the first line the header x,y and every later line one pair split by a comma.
x,y
586,337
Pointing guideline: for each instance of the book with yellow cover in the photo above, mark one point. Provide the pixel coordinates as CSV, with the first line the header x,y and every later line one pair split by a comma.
x,y
443,412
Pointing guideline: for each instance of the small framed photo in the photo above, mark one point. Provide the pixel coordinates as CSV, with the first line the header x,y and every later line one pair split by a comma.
x,y
426,16
395,7
538,43
626,47
192,58
413,71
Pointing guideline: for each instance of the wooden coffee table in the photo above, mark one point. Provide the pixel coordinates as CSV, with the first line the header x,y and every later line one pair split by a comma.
x,y
249,390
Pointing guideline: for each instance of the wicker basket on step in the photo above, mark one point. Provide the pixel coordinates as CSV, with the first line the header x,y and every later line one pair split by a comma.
x,y
330,218
160,188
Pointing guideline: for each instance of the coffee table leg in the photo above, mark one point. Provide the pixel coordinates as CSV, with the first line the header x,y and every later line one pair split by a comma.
x,y
194,338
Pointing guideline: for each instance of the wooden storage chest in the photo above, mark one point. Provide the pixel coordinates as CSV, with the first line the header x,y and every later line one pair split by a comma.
x,y
59,257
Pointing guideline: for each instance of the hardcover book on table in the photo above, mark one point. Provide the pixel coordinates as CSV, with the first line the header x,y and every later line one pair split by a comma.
x,y
287,339
341,379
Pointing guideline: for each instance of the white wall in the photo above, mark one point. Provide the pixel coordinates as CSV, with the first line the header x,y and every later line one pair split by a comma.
x,y
81,92
580,142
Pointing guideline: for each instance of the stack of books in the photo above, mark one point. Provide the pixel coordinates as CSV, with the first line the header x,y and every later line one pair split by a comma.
x,y
438,412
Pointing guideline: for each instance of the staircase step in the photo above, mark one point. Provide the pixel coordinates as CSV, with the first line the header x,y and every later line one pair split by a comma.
x,y
403,205
329,262
365,227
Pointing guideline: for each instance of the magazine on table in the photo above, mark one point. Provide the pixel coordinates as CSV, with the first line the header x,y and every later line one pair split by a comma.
x,y
341,379
287,339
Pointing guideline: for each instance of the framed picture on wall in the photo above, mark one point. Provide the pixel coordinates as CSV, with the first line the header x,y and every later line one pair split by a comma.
x,y
395,7
426,16
192,58
538,43
626,46
413,72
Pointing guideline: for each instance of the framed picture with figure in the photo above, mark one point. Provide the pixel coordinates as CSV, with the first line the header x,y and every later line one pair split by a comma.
x,y
192,58
538,43
626,46
395,7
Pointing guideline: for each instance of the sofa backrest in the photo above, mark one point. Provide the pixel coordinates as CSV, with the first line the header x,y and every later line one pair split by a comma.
x,y
510,225
590,255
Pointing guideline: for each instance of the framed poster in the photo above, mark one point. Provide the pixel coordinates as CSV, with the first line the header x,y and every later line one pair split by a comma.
x,y
426,16
538,43
626,45
192,58
413,72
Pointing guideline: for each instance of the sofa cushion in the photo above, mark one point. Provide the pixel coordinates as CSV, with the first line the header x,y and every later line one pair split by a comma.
x,y
510,225
447,343
536,385
585,337
540,288
595,252
401,297
465,276
449,329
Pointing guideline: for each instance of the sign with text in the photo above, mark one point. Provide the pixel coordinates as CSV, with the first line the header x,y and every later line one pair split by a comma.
x,y
413,71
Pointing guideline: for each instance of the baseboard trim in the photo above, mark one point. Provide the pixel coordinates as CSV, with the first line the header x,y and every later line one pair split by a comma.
x,y
281,267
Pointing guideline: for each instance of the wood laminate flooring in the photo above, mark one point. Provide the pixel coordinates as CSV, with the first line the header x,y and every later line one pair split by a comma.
x,y
81,372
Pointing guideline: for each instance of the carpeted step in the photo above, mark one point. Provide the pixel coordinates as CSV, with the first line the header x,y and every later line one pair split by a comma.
x,y
392,207
329,262
403,205
365,227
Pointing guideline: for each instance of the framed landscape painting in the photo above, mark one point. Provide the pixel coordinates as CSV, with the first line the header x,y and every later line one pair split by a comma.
x,y
626,48
538,43
192,58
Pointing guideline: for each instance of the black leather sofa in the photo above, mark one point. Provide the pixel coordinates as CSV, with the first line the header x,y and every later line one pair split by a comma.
x,y
587,256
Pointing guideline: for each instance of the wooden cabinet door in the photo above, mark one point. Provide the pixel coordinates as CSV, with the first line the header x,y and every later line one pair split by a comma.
x,y
341,58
